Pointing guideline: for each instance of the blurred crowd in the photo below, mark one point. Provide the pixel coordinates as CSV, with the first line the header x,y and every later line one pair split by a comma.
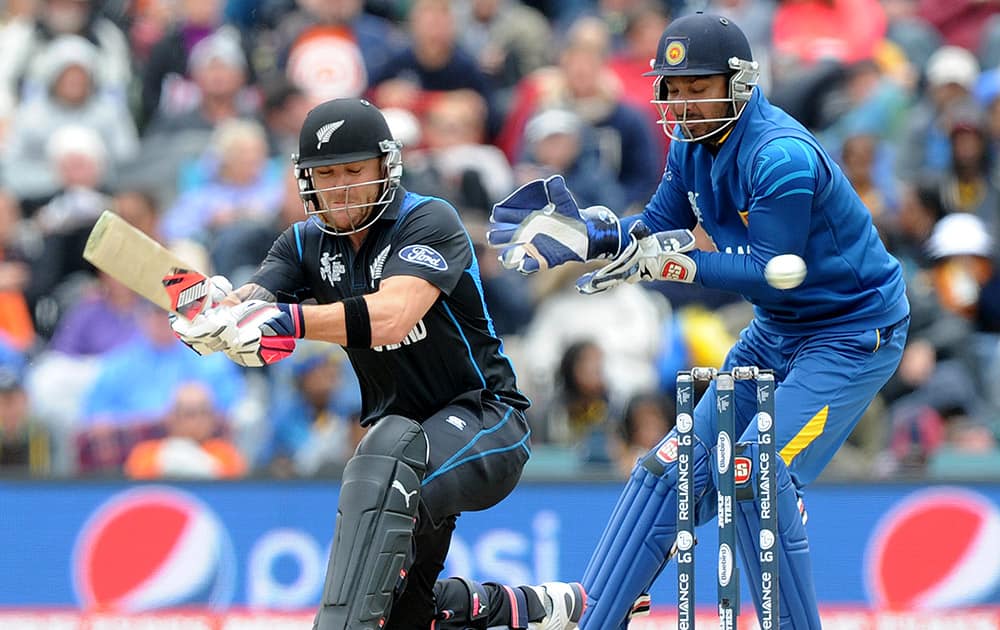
x,y
180,115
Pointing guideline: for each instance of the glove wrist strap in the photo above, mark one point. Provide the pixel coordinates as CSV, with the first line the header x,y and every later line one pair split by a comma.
x,y
604,234
298,319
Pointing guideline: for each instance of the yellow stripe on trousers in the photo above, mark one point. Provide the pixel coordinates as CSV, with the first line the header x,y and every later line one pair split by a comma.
x,y
805,436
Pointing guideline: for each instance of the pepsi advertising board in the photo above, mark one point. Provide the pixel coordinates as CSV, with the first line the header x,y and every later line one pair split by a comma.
x,y
250,548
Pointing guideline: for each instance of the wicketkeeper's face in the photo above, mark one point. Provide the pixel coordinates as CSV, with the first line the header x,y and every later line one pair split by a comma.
x,y
701,104
348,192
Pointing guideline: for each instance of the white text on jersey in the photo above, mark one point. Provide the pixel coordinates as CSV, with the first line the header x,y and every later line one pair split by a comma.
x,y
418,333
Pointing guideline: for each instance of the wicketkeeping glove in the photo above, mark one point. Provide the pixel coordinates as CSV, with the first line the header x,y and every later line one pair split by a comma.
x,y
648,256
265,332
210,330
539,226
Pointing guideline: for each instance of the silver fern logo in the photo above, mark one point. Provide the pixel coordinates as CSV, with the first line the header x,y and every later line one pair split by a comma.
x,y
323,133
376,267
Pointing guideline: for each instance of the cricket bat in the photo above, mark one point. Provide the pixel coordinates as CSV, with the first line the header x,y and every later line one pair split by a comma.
x,y
129,256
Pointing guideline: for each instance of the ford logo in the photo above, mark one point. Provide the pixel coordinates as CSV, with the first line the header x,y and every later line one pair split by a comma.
x,y
424,255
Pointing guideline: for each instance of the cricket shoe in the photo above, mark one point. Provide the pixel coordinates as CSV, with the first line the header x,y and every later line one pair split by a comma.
x,y
564,605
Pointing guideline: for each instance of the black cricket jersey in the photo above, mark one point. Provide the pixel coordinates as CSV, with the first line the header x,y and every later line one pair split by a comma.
x,y
452,350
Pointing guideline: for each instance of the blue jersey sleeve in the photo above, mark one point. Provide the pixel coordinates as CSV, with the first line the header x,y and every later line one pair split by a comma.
x,y
669,208
784,179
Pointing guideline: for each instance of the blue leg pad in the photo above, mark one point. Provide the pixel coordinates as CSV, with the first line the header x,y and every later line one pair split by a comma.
x,y
639,535
797,599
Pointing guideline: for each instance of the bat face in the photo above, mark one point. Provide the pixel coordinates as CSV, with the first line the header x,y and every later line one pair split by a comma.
x,y
146,267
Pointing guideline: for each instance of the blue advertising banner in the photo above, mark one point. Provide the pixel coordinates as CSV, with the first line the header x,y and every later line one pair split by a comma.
x,y
264,545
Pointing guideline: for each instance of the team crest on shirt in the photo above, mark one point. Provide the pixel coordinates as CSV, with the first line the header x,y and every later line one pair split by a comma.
x,y
424,255
330,268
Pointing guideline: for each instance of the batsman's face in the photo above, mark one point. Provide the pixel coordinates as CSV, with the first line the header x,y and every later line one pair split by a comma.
x,y
348,192
694,99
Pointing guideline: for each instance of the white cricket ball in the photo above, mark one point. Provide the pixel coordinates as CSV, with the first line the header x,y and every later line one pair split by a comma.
x,y
786,271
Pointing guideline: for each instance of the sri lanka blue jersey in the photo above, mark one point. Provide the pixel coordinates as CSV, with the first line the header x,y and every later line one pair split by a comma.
x,y
771,189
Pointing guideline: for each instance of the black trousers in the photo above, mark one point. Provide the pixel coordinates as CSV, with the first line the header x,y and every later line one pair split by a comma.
x,y
478,447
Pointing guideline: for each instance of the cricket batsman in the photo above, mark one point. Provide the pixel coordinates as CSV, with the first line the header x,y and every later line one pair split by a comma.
x,y
392,277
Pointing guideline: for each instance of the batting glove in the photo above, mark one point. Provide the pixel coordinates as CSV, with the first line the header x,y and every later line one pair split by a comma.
x,y
212,329
648,256
540,226
265,332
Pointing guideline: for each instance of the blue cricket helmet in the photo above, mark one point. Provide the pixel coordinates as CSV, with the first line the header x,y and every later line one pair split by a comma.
x,y
699,44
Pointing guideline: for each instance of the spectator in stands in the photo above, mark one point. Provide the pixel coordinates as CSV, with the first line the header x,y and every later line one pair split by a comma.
x,y
874,98
434,61
756,20
647,418
912,33
814,41
119,399
166,82
987,95
941,375
14,9
642,28
330,48
25,39
508,38
950,76
920,208
69,70
558,141
119,411
314,422
582,83
966,185
218,67
582,412
454,160
284,109
858,159
564,316
193,446
960,22
231,209
78,156
16,325
103,318
139,208
809,31
963,254
145,23
25,447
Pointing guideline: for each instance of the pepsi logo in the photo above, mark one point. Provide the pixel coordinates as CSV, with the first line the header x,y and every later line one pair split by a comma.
x,y
153,547
937,548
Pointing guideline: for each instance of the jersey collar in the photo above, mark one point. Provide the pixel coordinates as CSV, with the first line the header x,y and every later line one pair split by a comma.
x,y
392,212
